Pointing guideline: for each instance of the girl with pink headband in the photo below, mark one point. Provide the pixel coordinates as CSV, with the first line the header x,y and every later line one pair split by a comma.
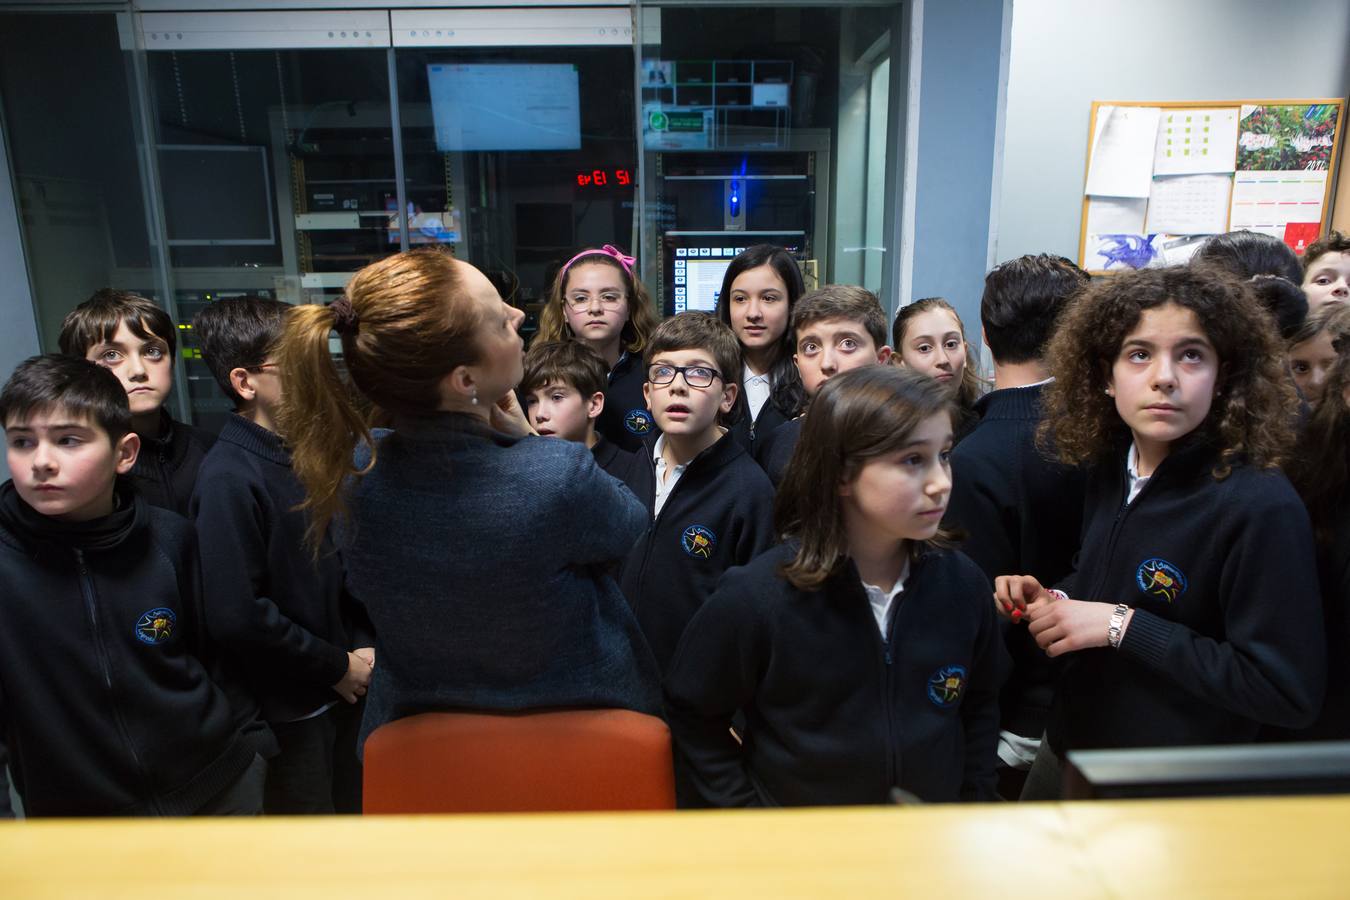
x,y
598,299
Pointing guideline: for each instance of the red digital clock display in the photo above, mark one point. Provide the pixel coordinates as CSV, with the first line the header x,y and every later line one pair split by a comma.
x,y
604,177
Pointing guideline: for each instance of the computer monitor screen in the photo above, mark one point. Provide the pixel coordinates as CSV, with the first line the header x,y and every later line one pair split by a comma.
x,y
216,195
505,106
695,264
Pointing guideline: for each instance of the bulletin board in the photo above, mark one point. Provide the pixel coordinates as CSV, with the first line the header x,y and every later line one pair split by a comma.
x,y
1161,177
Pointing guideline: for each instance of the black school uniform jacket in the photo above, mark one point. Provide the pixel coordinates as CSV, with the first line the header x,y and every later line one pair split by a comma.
x,y
718,515
775,451
1022,513
1227,630
625,420
267,600
613,459
112,698
835,714
166,468
750,432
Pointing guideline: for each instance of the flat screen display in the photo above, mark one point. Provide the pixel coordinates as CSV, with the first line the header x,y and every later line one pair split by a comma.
x,y
216,195
505,106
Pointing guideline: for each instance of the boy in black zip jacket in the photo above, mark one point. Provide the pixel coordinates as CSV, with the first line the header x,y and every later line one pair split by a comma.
x,y
562,392
113,701
862,652
1192,616
136,341
711,505
1021,510
308,643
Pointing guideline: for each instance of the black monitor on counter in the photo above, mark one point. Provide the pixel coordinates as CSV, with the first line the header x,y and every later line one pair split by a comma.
x,y
1226,771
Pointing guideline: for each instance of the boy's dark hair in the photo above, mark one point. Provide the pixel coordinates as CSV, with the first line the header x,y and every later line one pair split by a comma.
x,y
857,416
97,319
1022,300
1250,415
1331,242
1249,254
238,333
699,331
841,301
84,389
572,363
1285,300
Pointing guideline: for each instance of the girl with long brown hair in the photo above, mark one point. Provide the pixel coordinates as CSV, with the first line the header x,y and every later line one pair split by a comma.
x,y
477,548
847,691
929,337
598,299
1192,615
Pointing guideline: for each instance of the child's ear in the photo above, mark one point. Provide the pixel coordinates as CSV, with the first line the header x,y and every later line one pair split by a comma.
x,y
647,393
885,354
595,405
241,382
728,398
126,451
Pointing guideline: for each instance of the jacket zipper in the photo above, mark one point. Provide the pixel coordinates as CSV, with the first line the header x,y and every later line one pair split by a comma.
x,y
1103,573
105,664
656,520
892,745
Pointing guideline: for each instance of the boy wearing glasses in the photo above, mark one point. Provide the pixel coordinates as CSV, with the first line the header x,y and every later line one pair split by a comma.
x,y
711,504
268,599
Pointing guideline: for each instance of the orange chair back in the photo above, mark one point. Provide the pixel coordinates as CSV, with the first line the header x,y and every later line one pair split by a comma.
x,y
542,761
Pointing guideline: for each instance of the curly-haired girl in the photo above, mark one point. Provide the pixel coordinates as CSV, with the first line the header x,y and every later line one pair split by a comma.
x,y
1199,617
598,299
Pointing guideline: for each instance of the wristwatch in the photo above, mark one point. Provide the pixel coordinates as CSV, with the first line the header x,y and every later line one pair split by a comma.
x,y
1116,627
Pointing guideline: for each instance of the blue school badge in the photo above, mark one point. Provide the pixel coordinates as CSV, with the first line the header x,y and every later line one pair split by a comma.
x,y
1160,578
946,685
638,421
698,541
155,626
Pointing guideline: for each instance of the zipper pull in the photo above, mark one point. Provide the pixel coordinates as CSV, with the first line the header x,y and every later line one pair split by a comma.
x,y
886,646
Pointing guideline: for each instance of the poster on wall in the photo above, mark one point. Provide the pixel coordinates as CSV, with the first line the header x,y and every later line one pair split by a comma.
x,y
1284,155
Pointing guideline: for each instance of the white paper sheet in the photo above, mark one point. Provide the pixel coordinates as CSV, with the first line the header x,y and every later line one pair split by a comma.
x,y
1178,251
1268,201
1124,141
1189,204
1196,141
1116,215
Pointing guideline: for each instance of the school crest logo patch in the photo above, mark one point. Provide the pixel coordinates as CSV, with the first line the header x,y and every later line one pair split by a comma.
x,y
638,421
1159,578
946,685
698,542
156,626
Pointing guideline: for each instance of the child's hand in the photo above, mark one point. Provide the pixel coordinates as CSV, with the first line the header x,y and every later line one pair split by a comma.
x,y
1013,594
366,653
1064,626
353,685
506,416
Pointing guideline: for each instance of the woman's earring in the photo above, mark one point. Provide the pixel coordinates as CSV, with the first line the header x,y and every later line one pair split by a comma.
x,y
474,397
1110,393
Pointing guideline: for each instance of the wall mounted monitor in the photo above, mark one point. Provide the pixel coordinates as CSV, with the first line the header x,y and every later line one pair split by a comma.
x,y
505,106
216,195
